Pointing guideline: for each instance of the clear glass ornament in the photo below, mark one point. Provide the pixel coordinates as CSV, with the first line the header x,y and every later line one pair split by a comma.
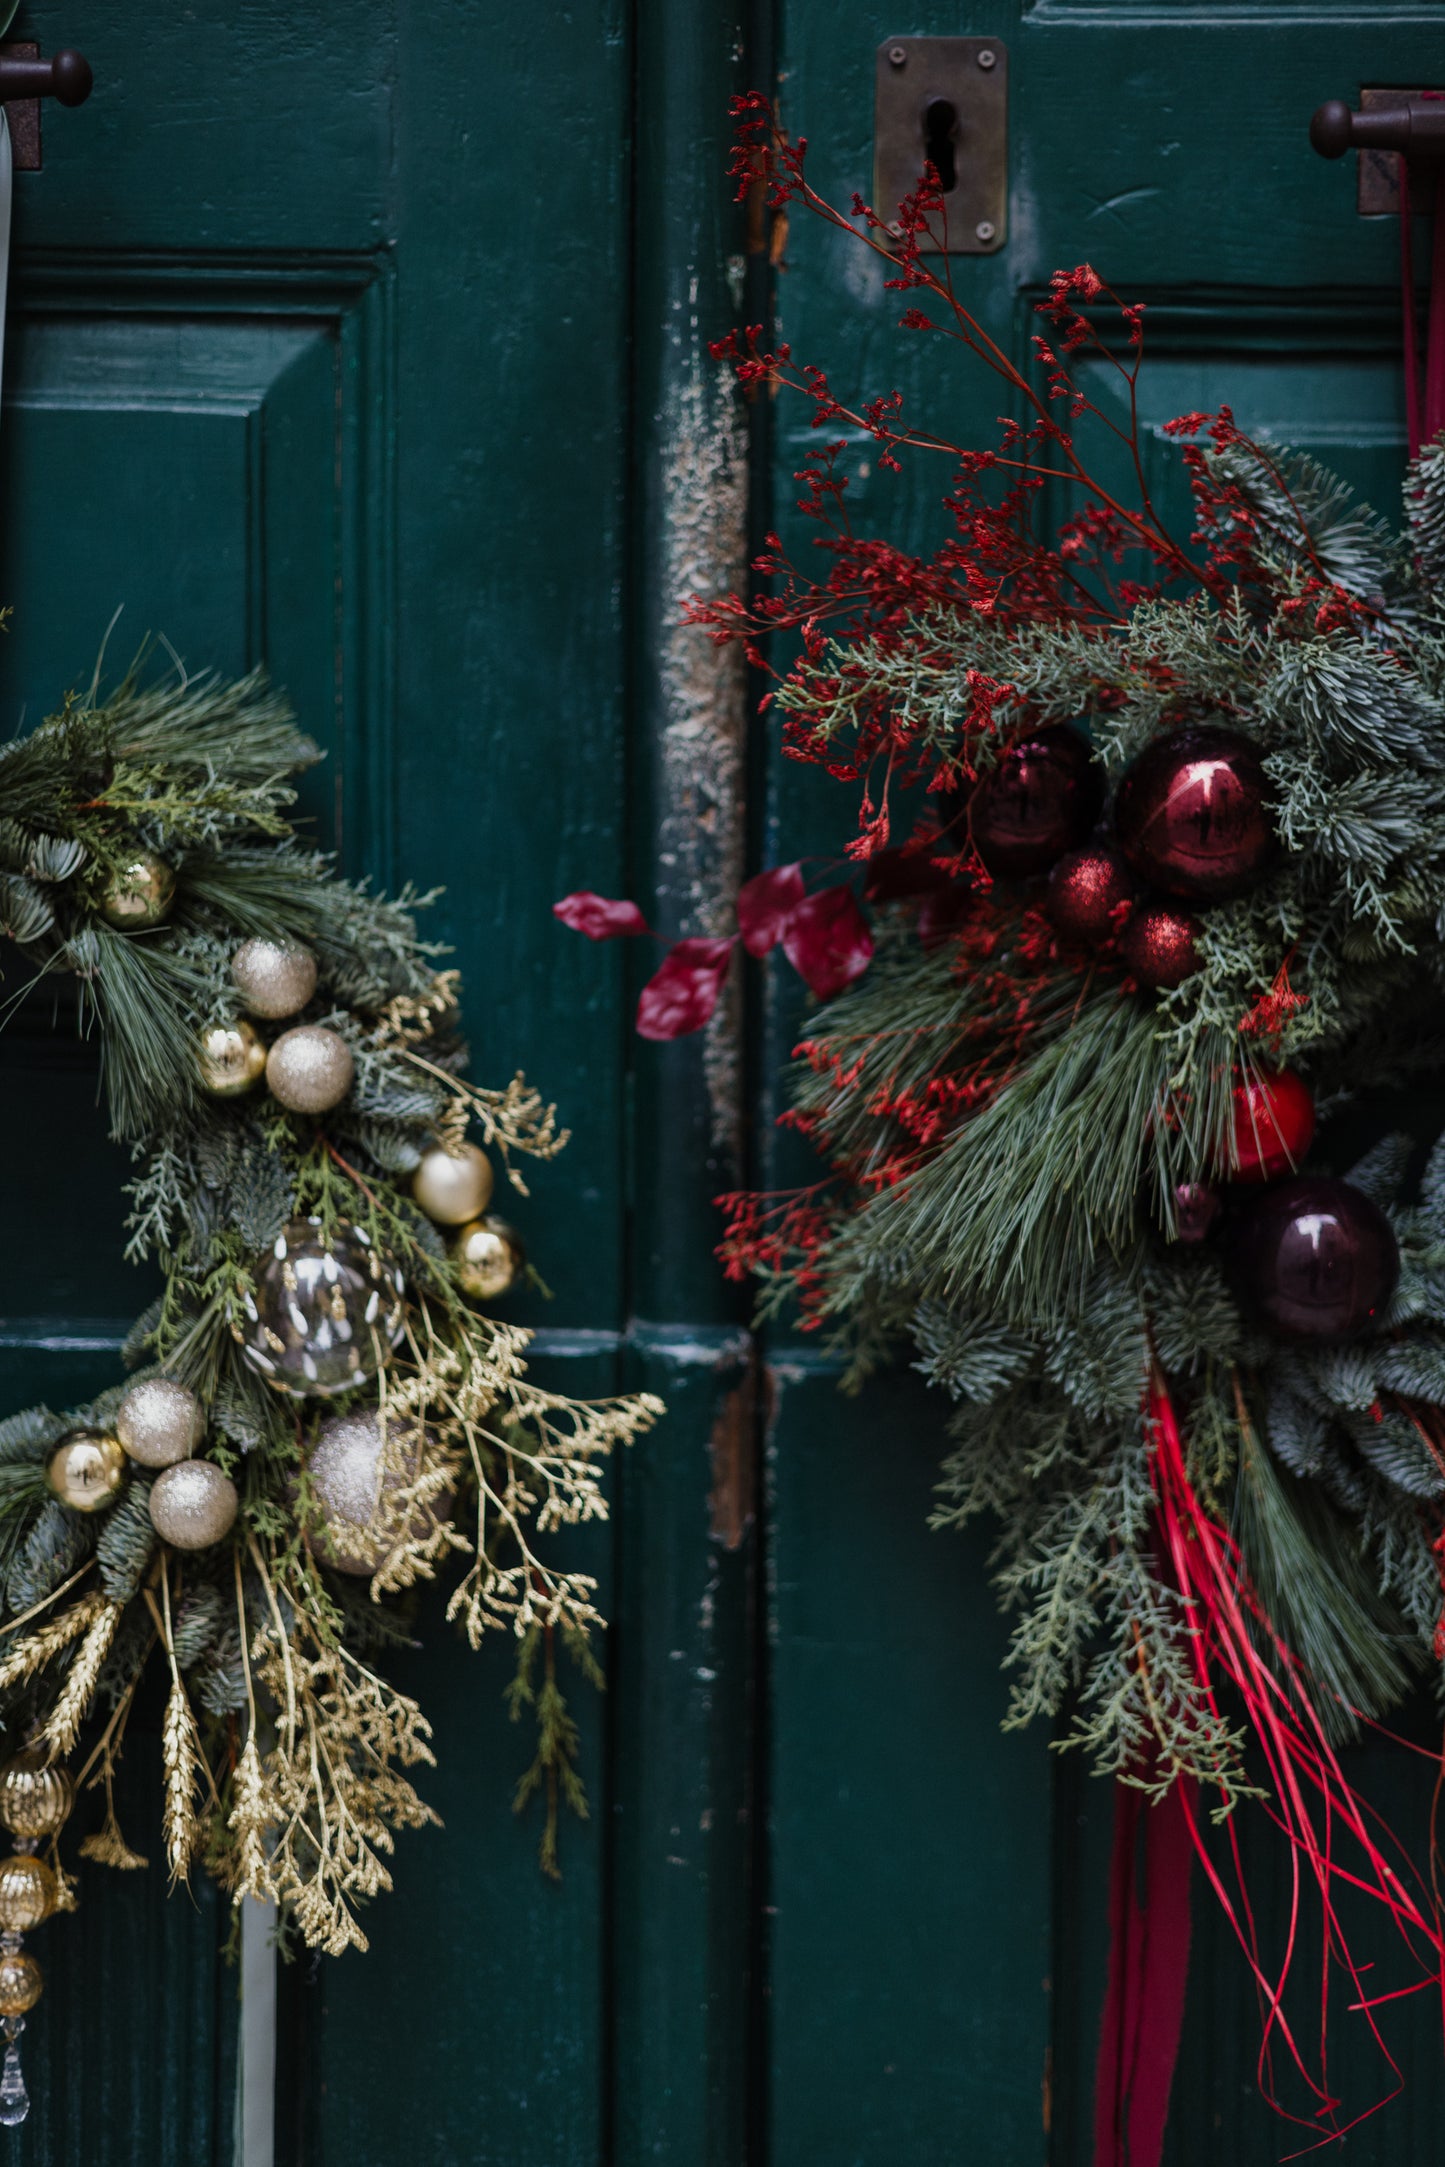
x,y
327,1311
14,2099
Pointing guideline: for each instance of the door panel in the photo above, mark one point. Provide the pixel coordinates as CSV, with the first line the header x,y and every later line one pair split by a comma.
x,y
1168,147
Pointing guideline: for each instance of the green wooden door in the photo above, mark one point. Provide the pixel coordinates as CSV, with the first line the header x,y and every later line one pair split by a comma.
x,y
936,1933
370,342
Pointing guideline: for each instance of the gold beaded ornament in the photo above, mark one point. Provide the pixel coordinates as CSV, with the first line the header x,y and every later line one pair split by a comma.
x,y
35,1798
138,895
231,1059
489,1258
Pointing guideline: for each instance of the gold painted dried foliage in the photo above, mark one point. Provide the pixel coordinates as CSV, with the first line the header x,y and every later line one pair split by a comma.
x,y
288,1759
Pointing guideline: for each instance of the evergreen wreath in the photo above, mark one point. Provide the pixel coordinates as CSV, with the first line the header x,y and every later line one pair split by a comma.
x,y
323,1412
1167,881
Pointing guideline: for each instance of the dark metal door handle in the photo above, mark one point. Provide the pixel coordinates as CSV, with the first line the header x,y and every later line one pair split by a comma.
x,y
1414,126
66,77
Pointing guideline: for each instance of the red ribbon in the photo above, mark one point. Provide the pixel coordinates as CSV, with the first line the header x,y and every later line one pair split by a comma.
x,y
1424,406
1148,1971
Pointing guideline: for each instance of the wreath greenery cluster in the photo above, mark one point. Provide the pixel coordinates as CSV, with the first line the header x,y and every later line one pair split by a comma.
x,y
145,839
1067,1095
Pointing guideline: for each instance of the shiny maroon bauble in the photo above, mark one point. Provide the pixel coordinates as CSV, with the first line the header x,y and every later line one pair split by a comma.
x,y
1158,947
1088,891
1039,801
1274,1126
1192,815
1196,1207
1318,1258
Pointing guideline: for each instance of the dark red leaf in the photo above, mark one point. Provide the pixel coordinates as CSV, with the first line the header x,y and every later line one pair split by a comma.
x,y
827,941
765,904
600,917
895,875
682,993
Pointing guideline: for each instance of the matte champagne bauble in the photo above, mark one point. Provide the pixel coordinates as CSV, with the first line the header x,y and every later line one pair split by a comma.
x,y
36,1793
1192,815
21,1982
28,1892
1089,890
193,1505
1273,1126
453,1186
159,1422
274,978
1317,1258
326,1311
138,895
355,1465
310,1069
489,1258
231,1059
1159,946
85,1470
1039,801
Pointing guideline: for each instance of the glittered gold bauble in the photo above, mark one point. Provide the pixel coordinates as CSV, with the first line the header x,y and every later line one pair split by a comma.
x,y
160,1422
326,1310
231,1059
356,1463
309,1069
489,1258
28,1892
36,1794
453,1186
86,1469
274,978
193,1505
138,894
21,1983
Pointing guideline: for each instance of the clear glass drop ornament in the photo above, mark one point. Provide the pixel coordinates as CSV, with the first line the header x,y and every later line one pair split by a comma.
x,y
14,2099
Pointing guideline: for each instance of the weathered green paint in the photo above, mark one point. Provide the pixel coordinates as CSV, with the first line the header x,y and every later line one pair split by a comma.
x,y
376,348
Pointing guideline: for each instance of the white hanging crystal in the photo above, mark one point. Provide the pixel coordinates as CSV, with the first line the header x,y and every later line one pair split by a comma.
x,y
14,2099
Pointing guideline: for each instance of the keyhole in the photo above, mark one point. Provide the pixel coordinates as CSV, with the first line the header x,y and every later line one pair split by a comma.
x,y
940,126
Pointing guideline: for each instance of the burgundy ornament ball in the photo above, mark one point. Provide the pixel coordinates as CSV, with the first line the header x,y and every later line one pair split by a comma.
x,y
1196,1207
1086,891
1192,815
1316,1258
1039,801
1158,947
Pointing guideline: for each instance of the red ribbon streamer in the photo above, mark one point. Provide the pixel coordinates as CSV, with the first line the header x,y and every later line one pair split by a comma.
x,y
1148,1970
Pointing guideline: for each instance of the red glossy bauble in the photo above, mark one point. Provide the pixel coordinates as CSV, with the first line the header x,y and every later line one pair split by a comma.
x,y
1039,801
1158,947
1192,815
1196,1207
1274,1126
1088,890
1317,1258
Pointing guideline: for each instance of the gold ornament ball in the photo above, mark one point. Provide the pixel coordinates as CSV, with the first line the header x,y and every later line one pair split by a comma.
x,y
231,1059
274,978
28,1892
138,894
453,1186
159,1422
36,1793
309,1069
355,1465
86,1469
21,1982
193,1505
489,1258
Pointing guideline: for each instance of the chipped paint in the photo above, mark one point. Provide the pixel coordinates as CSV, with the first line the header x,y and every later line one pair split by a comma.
x,y
731,1447
704,470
